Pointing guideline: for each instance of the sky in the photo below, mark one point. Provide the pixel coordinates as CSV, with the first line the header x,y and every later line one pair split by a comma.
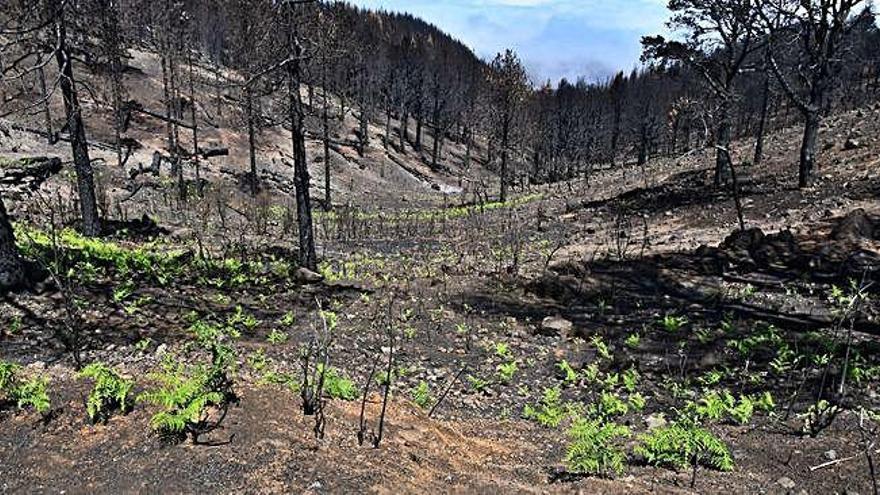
x,y
555,38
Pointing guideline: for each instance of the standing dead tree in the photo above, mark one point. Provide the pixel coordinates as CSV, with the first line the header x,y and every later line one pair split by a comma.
x,y
718,38
807,38
32,34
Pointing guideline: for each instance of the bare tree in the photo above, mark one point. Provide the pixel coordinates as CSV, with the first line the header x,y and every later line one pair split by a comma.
x,y
510,84
808,36
719,36
307,256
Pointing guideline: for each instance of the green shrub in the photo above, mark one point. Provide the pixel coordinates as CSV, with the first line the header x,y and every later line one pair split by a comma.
x,y
569,372
507,370
550,411
31,392
683,445
184,396
337,386
594,448
110,391
421,395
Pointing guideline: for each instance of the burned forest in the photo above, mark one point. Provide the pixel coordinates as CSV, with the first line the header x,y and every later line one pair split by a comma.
x,y
302,246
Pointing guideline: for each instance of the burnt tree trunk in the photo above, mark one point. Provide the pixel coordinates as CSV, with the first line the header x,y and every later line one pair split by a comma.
x,y
47,116
11,265
762,124
325,137
252,152
85,180
808,148
722,151
307,257
505,137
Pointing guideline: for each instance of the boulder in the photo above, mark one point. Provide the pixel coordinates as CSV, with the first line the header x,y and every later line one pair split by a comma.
x,y
306,276
555,326
855,225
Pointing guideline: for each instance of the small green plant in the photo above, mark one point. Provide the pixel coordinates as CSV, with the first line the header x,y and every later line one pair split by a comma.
x,y
507,370
633,341
421,395
743,411
110,391
601,348
184,396
591,372
31,392
672,323
337,386
818,417
476,383
502,350
34,392
287,320
610,404
143,344
637,401
595,448
569,374
765,402
684,445
257,360
550,411
276,337
630,380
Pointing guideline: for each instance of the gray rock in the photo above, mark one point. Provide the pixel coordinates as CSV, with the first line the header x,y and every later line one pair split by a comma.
x,y
304,275
654,421
555,325
786,482
831,455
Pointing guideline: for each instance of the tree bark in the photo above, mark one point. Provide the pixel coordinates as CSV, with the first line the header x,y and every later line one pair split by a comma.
x,y
505,136
762,124
47,116
252,152
325,118
307,256
11,265
722,152
808,149
82,164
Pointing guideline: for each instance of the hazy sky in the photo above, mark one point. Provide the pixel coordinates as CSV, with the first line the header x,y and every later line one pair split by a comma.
x,y
555,38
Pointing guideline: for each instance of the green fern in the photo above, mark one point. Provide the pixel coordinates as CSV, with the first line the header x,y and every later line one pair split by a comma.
x,y
683,445
421,395
595,449
32,392
109,392
337,386
184,396
550,411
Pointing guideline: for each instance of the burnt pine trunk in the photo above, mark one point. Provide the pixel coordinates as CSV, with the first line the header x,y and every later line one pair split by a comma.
x,y
85,180
11,266
722,152
307,257
252,152
47,116
505,137
808,148
404,123
325,137
762,124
